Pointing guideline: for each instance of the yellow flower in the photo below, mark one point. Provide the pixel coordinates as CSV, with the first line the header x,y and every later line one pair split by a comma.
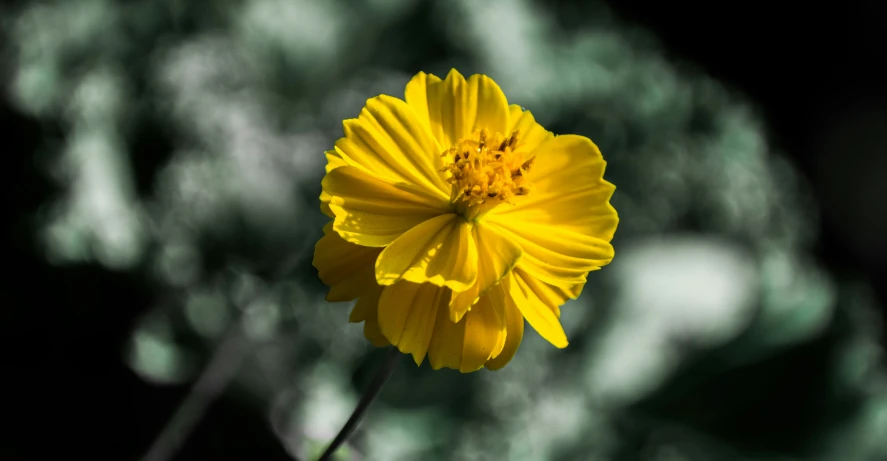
x,y
456,217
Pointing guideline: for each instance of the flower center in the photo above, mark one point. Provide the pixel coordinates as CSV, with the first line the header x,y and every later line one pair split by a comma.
x,y
486,170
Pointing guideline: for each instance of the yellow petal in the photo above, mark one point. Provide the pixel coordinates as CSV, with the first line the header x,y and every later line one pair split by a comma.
x,y
441,251
422,91
569,188
551,296
485,335
373,334
348,270
345,267
555,296
333,160
496,256
325,204
557,255
514,324
372,212
469,344
389,141
455,107
531,133
565,225
407,314
366,310
541,317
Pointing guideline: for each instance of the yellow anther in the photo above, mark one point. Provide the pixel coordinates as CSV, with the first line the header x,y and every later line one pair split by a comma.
x,y
485,170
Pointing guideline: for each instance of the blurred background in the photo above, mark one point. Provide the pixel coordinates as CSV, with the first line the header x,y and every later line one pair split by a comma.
x,y
165,163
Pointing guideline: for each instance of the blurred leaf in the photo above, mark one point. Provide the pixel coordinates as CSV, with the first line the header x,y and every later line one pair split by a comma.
x,y
155,356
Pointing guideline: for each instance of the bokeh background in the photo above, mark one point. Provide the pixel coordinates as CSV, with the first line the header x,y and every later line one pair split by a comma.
x,y
164,163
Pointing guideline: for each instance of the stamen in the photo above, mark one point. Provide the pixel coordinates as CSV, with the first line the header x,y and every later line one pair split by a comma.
x,y
487,169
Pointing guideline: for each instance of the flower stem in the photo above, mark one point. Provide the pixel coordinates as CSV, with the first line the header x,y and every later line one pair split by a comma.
x,y
365,400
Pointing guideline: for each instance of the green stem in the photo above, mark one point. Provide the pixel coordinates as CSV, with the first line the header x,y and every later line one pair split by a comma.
x,y
365,400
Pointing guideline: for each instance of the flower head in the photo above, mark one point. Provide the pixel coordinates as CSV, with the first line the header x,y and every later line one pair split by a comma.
x,y
455,217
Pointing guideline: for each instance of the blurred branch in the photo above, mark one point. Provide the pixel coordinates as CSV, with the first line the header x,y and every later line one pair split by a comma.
x,y
218,374
226,361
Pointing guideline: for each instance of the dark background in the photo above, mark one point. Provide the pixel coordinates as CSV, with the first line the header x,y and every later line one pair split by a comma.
x,y
811,72
815,73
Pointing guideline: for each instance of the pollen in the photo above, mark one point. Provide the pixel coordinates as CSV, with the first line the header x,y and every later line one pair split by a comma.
x,y
487,169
